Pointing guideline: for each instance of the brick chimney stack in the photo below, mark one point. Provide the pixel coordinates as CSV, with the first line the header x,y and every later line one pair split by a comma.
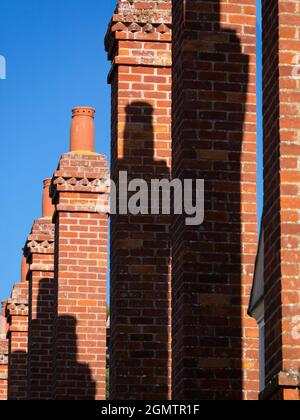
x,y
215,345
80,193
83,130
139,46
39,251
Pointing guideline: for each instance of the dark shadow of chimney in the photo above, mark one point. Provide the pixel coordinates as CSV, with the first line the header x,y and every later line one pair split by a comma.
x,y
72,380
209,105
140,278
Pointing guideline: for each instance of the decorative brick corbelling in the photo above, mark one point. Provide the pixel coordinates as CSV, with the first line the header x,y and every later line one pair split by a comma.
x,y
97,185
120,29
81,184
140,22
39,247
17,305
40,241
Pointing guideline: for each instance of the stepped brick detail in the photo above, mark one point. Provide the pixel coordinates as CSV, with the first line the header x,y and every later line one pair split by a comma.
x,y
138,43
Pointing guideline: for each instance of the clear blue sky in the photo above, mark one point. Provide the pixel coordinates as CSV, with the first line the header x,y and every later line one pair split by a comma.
x,y
55,60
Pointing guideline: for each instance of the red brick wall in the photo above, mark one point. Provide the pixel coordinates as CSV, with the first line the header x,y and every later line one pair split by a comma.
x,y
139,45
215,346
81,228
3,354
281,214
39,251
17,314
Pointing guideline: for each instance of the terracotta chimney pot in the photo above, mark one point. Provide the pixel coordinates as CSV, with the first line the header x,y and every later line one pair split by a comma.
x,y
48,208
83,130
24,270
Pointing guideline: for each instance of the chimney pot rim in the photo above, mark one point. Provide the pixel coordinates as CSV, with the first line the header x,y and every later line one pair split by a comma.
x,y
87,111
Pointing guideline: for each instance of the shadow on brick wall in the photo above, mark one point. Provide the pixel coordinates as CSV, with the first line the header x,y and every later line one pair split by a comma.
x,y
140,258
209,105
70,380
17,376
40,356
73,379
47,379
272,205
